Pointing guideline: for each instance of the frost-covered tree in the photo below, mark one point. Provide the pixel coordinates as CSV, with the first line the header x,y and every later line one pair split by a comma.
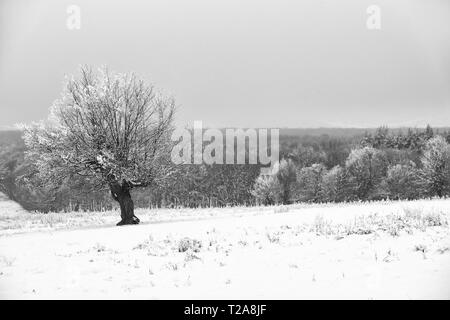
x,y
309,185
266,190
436,167
335,186
366,168
7,167
305,156
278,186
107,127
285,172
403,181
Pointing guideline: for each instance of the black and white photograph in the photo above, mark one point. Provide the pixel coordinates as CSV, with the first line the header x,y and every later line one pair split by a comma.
x,y
224,150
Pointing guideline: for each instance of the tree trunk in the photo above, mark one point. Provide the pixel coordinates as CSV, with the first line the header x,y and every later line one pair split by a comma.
x,y
121,193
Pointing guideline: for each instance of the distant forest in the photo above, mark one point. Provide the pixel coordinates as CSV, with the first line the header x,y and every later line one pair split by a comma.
x,y
317,165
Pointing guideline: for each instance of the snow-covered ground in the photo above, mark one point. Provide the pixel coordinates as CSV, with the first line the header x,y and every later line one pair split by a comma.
x,y
382,250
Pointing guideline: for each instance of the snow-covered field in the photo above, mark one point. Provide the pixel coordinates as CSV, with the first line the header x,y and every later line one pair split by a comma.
x,y
382,250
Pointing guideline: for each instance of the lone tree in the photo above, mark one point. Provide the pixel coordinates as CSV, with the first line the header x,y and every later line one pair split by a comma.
x,y
109,128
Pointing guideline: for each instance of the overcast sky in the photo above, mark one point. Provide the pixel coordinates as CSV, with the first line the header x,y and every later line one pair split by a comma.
x,y
240,63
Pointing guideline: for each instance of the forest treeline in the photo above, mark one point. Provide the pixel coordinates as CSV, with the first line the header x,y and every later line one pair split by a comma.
x,y
332,166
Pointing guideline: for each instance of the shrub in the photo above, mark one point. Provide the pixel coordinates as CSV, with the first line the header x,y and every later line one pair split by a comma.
x,y
186,244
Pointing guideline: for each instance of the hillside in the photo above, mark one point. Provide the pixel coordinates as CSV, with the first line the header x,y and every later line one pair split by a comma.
x,y
381,250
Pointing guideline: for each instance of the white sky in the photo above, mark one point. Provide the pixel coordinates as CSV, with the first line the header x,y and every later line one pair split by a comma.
x,y
263,63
